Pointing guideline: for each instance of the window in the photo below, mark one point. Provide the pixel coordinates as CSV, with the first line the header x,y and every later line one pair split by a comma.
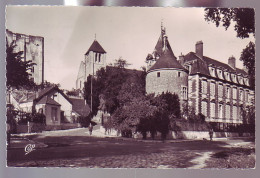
x,y
234,93
234,112
212,89
158,74
220,90
241,95
228,93
220,108
212,110
227,76
189,68
246,96
227,112
204,108
99,56
212,71
96,57
54,114
204,87
234,78
220,74
179,74
184,92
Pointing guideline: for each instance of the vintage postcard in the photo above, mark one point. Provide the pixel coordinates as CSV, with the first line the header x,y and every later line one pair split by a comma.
x,y
130,87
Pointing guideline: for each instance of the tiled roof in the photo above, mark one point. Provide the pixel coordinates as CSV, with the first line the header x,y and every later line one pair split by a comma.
x,y
48,100
48,90
79,106
96,47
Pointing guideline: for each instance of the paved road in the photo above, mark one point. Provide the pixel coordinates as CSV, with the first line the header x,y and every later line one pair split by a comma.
x,y
77,149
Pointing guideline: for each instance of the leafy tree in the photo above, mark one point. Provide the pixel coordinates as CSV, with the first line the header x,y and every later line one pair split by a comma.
x,y
121,63
244,24
243,18
248,58
17,69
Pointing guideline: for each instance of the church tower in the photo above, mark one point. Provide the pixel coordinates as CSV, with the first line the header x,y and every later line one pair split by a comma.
x,y
95,58
166,73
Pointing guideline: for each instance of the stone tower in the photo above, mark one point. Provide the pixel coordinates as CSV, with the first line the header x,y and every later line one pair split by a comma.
x,y
95,58
166,74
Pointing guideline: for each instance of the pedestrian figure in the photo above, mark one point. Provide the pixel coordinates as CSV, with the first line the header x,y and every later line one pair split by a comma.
x,y
210,134
90,128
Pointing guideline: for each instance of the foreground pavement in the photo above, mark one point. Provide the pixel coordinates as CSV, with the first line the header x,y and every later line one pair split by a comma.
x,y
76,148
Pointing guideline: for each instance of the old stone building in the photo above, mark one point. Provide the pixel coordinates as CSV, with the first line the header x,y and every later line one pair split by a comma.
x,y
33,49
217,90
165,73
95,58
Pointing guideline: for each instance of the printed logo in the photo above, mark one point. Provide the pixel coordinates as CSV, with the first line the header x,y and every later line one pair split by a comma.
x,y
29,148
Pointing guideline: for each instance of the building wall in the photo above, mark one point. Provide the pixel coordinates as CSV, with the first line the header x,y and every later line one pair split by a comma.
x,y
222,106
66,106
90,58
86,67
48,114
167,81
33,49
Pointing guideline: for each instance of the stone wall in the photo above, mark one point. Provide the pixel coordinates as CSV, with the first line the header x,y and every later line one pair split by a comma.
x,y
168,81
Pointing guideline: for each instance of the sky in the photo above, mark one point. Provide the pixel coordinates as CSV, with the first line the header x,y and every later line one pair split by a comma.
x,y
127,32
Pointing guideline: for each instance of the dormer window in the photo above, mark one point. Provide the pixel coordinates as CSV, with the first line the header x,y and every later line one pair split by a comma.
x,y
227,76
234,78
220,74
212,71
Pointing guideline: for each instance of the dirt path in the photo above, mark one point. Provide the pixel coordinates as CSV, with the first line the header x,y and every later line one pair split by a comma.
x,y
200,160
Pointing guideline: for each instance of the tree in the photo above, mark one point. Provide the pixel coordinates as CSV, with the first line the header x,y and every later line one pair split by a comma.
x,y
17,69
248,58
244,24
121,63
243,18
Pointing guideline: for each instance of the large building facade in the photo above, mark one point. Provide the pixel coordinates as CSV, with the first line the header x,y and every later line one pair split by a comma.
x,y
217,90
95,59
33,49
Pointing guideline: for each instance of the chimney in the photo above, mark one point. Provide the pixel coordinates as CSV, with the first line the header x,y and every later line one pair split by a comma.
x,y
181,59
199,49
232,62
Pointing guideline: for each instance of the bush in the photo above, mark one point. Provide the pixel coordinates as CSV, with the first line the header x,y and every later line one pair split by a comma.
x,y
84,120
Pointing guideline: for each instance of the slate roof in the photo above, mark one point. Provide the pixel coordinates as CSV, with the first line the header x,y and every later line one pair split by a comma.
x,y
201,65
167,58
96,47
80,107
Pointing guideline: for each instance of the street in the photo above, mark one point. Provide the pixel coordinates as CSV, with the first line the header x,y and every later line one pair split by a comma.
x,y
76,148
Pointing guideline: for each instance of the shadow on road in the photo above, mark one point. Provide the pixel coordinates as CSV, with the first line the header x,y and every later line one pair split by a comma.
x,y
68,147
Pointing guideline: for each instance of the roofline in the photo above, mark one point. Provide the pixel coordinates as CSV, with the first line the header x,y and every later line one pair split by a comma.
x,y
153,70
217,79
60,91
96,52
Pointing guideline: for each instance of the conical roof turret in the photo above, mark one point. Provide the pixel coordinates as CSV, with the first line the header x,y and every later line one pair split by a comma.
x,y
166,56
